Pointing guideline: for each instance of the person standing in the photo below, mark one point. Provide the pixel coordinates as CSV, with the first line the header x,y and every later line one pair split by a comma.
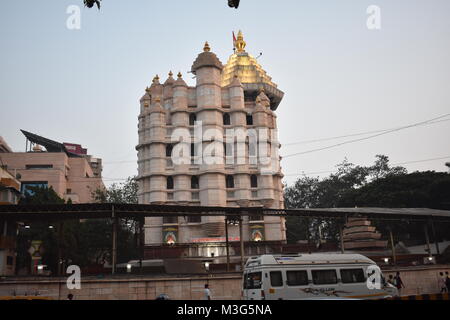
x,y
207,293
441,283
391,280
399,283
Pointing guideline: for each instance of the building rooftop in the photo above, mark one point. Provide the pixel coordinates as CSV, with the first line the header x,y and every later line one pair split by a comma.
x,y
50,145
4,146
206,59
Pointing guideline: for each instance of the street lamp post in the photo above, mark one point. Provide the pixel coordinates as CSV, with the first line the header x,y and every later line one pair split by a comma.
x,y
227,244
241,238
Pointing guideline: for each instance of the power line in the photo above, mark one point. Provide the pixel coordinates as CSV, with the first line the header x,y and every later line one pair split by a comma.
x,y
349,135
369,137
394,164
319,139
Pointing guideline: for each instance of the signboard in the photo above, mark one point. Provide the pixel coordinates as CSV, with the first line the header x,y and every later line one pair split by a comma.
x,y
221,239
257,232
170,235
36,249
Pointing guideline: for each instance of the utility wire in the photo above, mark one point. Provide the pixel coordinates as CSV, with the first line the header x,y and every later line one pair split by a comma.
x,y
316,140
367,138
349,135
394,164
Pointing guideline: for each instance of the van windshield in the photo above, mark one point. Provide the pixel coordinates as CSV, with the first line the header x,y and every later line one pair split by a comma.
x,y
253,280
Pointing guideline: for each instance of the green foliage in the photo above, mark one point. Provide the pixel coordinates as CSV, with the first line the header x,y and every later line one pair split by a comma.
x,y
83,242
39,231
125,192
41,195
379,185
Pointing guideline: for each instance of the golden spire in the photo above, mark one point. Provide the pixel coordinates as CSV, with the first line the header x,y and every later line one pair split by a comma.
x,y
179,75
240,43
170,73
206,48
155,79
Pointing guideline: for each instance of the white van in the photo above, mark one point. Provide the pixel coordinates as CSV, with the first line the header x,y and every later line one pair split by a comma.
x,y
311,276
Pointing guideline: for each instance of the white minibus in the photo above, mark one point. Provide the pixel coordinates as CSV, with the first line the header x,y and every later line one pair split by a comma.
x,y
314,276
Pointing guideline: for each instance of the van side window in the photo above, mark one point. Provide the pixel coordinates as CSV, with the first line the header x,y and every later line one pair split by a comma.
x,y
276,279
352,275
253,280
297,278
324,276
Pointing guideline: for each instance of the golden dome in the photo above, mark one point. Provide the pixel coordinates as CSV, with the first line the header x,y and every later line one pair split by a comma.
x,y
245,66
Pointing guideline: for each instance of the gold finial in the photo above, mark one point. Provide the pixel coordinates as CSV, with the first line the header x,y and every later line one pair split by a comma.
x,y
147,90
206,48
240,43
179,75
170,73
156,78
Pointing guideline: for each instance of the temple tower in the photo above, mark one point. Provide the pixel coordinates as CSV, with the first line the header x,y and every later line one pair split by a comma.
x,y
196,147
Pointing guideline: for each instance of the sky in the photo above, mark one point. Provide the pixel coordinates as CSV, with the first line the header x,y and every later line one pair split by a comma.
x,y
340,78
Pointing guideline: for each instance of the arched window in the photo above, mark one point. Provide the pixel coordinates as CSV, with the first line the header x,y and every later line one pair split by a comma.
x,y
195,183
169,149
230,182
169,183
192,119
226,119
249,120
253,181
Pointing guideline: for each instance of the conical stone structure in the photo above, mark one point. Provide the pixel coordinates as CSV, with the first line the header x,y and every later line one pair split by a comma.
x,y
359,234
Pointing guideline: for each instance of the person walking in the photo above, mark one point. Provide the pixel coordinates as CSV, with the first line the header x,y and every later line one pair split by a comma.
x,y
447,281
207,292
441,283
399,283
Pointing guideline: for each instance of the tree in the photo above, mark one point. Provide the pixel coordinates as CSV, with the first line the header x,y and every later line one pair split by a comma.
x,y
415,190
91,3
379,185
83,242
38,231
328,193
125,192
233,3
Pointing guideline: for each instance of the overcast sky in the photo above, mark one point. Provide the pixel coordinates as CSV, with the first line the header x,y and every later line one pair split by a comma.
x,y
339,78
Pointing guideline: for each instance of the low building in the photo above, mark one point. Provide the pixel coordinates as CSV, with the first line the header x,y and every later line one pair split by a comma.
x,y
9,194
47,163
